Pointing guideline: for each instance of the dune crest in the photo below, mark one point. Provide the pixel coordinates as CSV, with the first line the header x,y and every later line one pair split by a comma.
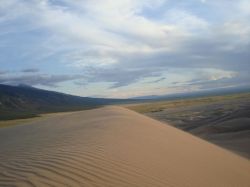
x,y
113,146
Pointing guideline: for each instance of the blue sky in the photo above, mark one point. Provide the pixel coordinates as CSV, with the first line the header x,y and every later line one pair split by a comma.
x,y
125,48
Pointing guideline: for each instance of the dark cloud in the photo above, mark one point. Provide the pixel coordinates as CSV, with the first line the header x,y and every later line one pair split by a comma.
x,y
45,80
198,54
157,80
30,70
239,80
3,72
195,53
202,53
119,76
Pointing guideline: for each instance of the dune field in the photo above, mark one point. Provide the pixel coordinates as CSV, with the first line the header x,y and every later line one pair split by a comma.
x,y
222,120
113,146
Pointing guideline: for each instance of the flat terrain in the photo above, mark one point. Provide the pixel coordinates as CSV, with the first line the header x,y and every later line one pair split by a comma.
x,y
113,146
223,120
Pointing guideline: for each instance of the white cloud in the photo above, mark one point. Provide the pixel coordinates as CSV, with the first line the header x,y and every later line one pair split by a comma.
x,y
139,38
217,74
110,27
186,20
244,6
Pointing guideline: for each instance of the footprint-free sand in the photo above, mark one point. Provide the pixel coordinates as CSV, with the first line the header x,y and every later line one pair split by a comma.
x,y
113,146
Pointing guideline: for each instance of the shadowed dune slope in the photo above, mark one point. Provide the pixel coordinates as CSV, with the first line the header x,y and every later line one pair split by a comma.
x,y
113,146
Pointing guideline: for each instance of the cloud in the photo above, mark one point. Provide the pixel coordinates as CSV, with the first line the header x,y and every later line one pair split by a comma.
x,y
157,80
117,76
30,70
221,83
216,79
3,72
36,80
185,20
124,42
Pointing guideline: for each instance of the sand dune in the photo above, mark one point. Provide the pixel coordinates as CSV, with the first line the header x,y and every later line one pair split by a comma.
x,y
113,146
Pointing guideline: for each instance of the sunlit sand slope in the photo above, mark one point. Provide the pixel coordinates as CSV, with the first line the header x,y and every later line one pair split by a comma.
x,y
112,146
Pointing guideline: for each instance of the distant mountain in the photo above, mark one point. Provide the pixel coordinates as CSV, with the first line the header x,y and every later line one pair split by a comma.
x,y
203,93
147,97
23,101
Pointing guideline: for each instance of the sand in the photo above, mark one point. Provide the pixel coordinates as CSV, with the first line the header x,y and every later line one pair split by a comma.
x,y
113,146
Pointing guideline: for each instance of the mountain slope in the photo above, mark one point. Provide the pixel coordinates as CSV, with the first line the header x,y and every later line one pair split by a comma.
x,y
23,101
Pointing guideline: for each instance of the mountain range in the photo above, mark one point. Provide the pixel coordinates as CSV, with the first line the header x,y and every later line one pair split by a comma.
x,y
23,101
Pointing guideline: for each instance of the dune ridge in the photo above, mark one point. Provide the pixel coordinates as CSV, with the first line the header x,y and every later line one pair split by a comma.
x,y
113,146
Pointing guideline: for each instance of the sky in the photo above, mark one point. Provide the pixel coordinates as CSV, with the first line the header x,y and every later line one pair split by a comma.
x,y
125,48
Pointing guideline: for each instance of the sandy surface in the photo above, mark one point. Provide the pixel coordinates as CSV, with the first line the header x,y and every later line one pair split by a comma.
x,y
222,120
112,146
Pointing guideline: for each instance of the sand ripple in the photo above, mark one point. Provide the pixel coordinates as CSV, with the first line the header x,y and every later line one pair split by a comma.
x,y
113,147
